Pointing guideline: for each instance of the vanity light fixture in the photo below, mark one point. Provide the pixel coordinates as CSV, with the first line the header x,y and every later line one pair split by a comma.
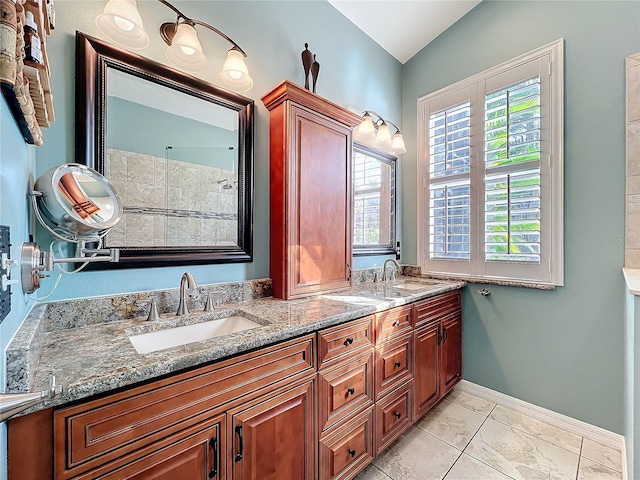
x,y
376,134
75,204
121,18
121,22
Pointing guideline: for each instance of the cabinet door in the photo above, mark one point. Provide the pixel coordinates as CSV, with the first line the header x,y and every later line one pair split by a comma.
x,y
320,204
274,439
426,379
451,352
194,454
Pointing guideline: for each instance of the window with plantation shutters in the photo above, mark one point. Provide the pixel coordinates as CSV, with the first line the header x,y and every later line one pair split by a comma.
x,y
491,173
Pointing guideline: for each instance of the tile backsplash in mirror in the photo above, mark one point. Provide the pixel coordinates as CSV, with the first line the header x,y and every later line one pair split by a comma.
x,y
172,203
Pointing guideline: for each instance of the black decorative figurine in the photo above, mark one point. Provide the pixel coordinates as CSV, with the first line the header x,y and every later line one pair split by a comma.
x,y
315,70
310,65
307,61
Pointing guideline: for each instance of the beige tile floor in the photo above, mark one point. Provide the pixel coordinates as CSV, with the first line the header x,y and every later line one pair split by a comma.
x,y
468,438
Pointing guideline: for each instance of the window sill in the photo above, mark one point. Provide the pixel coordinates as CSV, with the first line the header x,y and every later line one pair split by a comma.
x,y
486,281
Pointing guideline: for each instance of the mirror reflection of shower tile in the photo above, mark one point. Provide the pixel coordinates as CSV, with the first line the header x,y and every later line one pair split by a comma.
x,y
140,168
140,194
159,172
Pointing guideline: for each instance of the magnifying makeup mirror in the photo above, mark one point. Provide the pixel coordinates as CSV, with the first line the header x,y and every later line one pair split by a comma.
x,y
75,204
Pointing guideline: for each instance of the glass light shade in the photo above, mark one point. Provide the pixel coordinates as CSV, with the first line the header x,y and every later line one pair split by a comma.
x,y
235,74
366,131
121,22
397,144
185,51
383,138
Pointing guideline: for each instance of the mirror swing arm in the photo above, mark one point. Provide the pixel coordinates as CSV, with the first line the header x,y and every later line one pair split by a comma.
x,y
75,204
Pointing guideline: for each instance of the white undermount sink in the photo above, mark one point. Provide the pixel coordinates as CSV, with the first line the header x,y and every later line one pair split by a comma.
x,y
176,336
411,286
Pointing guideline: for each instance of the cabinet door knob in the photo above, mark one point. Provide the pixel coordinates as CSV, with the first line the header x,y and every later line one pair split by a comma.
x,y
351,391
396,323
397,414
397,364
240,446
348,342
352,453
213,443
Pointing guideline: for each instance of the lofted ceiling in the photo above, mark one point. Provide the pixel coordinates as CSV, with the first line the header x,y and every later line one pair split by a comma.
x,y
403,27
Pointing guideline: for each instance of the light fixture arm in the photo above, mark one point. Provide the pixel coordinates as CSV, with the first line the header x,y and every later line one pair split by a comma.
x,y
370,112
167,38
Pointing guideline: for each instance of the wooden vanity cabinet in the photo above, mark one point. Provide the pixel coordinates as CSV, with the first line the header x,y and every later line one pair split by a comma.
x,y
310,192
437,341
288,411
259,395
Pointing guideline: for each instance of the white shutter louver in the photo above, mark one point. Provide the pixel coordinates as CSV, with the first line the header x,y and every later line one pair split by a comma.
x,y
512,173
449,190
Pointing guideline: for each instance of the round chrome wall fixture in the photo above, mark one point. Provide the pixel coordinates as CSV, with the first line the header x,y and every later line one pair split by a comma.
x,y
30,267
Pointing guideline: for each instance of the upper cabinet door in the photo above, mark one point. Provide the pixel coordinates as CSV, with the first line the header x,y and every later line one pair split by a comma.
x,y
310,197
321,205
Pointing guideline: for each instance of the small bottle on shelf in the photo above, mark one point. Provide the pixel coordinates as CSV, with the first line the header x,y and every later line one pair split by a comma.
x,y
32,45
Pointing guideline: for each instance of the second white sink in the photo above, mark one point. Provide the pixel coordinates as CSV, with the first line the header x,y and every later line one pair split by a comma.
x,y
411,286
173,337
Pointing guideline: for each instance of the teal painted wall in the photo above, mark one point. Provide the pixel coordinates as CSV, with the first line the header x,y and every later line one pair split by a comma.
x,y
354,72
562,350
16,165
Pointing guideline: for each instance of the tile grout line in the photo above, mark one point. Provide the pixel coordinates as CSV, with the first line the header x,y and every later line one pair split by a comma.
x,y
469,443
579,458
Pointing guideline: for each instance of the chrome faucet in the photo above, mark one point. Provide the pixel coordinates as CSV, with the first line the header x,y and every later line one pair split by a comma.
x,y
393,272
187,281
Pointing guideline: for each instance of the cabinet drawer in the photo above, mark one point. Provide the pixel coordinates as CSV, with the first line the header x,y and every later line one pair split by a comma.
x,y
391,323
195,453
393,364
393,416
99,431
336,343
345,389
437,307
348,448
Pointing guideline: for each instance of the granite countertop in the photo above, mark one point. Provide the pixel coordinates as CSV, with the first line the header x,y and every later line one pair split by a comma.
x,y
96,358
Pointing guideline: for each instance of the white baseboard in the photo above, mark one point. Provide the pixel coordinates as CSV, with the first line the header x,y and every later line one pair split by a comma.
x,y
578,427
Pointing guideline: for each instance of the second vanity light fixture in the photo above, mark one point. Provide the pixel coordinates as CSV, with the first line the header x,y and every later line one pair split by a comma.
x,y
376,134
121,22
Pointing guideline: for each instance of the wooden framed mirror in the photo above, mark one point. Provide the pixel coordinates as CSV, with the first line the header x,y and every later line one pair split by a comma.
x,y
178,151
